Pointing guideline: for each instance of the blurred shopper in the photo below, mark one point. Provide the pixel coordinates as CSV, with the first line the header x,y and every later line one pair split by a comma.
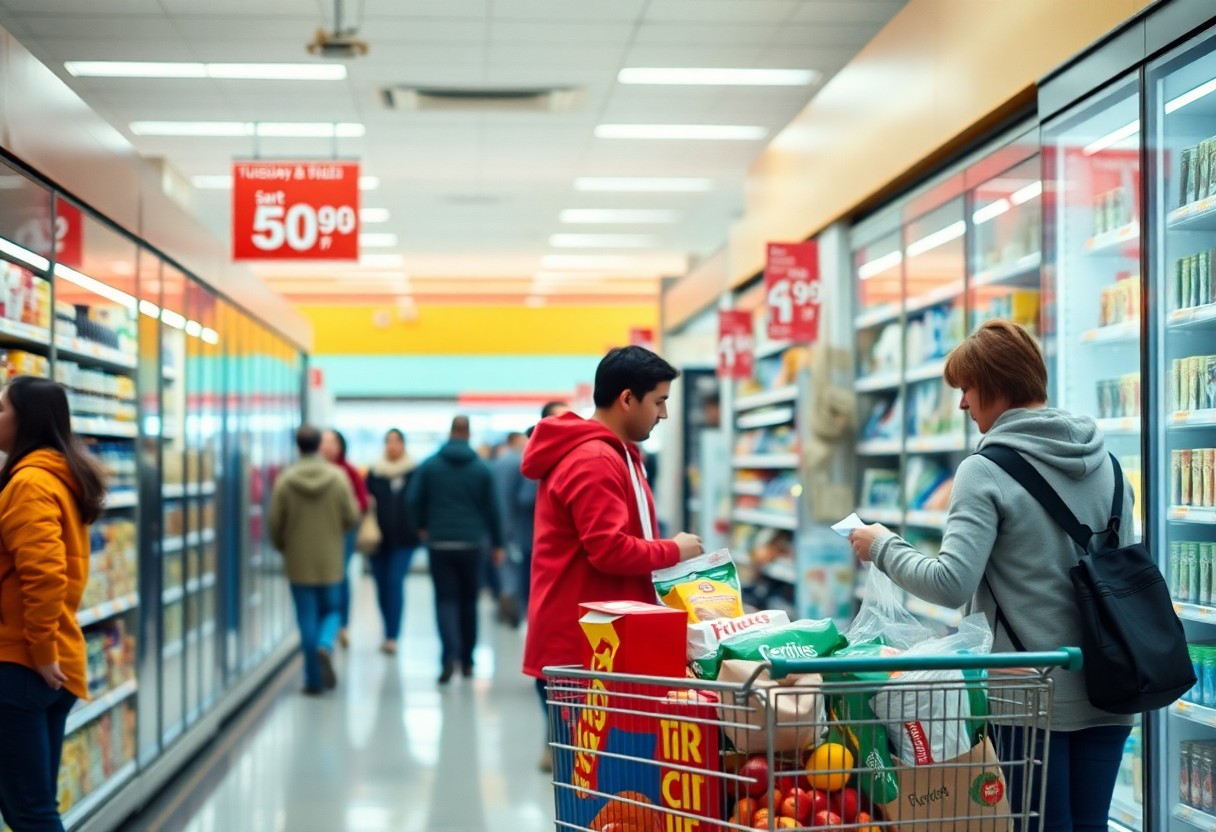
x,y
333,448
1003,554
388,483
50,490
453,497
555,408
312,508
596,537
517,502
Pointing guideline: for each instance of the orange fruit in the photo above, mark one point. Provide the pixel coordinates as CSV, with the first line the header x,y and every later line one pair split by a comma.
x,y
626,816
830,765
786,823
760,819
745,808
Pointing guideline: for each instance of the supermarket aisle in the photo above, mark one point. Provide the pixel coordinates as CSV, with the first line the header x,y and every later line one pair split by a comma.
x,y
389,751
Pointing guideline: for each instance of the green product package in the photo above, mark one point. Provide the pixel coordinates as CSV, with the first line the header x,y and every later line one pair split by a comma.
x,y
806,639
860,728
706,587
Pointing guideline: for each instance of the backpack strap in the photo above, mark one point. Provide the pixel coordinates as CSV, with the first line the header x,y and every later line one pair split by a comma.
x,y
1116,506
1026,475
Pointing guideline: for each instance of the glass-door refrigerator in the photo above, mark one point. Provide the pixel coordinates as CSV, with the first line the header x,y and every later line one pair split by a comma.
x,y
1181,137
1091,317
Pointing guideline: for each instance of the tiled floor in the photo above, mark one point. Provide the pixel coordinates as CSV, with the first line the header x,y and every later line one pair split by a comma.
x,y
390,751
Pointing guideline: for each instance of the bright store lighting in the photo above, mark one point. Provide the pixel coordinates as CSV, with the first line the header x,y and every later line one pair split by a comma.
x,y
194,329
236,72
370,215
686,132
617,216
879,265
1111,139
381,261
1191,97
150,309
173,319
95,286
937,239
991,211
223,182
719,77
601,240
265,129
586,261
12,183
1031,191
643,185
26,256
210,335
369,183
377,240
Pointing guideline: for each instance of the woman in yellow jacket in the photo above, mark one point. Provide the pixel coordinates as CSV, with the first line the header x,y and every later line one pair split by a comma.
x,y
50,490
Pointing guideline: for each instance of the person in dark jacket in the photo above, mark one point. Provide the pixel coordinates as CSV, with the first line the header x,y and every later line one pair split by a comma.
x,y
388,483
453,499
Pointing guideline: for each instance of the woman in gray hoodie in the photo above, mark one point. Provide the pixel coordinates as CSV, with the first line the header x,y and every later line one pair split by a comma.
x,y
999,543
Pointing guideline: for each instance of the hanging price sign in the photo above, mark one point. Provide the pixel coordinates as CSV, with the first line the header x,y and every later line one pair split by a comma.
x,y
295,211
736,344
791,280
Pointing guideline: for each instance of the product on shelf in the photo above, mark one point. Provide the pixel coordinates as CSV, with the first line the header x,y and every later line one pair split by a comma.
x,y
96,393
1192,472
15,363
95,753
1198,172
110,656
108,326
883,423
1113,210
1193,383
114,564
1190,572
935,333
24,297
1018,305
933,411
1119,398
1196,774
1193,281
777,440
886,353
1120,301
928,484
118,460
879,488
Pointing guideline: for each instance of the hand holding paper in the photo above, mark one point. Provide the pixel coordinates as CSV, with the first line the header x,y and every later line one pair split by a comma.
x,y
845,527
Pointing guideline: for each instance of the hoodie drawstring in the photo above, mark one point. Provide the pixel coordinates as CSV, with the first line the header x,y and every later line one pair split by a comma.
x,y
639,493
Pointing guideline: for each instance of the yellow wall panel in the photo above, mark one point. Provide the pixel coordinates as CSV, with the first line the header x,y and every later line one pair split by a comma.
x,y
475,330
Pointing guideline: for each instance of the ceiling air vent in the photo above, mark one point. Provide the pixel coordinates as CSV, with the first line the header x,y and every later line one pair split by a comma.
x,y
482,99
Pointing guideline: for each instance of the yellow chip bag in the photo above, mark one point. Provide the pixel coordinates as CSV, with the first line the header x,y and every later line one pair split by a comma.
x,y
706,587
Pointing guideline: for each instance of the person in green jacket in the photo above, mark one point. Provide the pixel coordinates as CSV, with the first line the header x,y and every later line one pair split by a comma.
x,y
312,508
454,503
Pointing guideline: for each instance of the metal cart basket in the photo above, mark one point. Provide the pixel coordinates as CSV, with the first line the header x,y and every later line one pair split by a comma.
x,y
953,743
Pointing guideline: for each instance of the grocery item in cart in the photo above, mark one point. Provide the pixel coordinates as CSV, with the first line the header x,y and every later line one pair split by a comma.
x,y
856,724
706,587
704,637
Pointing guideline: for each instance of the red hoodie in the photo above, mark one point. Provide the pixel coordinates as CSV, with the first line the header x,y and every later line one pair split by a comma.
x,y
588,544
356,483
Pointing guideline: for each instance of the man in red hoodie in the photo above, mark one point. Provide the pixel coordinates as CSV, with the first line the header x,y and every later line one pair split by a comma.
x,y
596,535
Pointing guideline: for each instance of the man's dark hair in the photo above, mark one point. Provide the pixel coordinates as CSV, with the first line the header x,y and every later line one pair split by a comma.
x,y
547,410
308,440
635,369
513,436
460,427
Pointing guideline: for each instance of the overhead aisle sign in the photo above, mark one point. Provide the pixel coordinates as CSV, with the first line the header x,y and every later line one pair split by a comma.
x,y
791,282
306,210
736,344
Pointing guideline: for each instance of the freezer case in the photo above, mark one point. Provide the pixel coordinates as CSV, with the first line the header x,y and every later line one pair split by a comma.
x,y
1092,290
1181,103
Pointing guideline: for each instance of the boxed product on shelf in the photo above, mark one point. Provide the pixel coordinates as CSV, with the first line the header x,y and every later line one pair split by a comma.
x,y
1193,281
1120,397
1193,383
777,440
109,326
1113,210
1018,305
113,566
1198,172
24,297
935,333
95,753
1190,571
933,410
880,488
118,460
1120,301
884,419
15,363
110,656
886,353
1196,773
1203,662
1192,472
928,484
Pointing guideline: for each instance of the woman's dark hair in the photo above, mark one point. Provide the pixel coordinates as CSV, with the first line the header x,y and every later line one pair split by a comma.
x,y
341,443
395,432
635,369
44,422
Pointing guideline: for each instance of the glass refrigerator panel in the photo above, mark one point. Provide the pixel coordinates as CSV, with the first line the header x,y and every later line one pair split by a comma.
x,y
27,231
1092,287
1182,224
147,451
1006,247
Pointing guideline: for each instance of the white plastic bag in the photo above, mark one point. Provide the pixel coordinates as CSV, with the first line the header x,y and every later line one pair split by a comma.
x,y
882,616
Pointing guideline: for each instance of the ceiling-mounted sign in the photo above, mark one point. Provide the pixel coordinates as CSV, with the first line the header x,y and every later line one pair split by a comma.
x,y
736,344
307,210
791,282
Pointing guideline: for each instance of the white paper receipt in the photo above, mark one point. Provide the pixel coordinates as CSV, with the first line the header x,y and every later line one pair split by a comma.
x,y
845,527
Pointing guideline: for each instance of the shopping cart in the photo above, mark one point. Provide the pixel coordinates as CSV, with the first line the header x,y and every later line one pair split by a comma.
x,y
954,743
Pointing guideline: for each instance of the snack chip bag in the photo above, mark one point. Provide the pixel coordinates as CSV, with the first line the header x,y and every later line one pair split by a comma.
x,y
706,587
805,639
704,637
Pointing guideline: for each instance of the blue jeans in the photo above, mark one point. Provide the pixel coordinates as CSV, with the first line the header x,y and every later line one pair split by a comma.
x,y
389,570
346,591
1082,767
318,614
32,722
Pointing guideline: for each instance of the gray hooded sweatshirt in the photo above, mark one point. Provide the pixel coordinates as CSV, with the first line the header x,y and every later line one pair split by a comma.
x,y
994,528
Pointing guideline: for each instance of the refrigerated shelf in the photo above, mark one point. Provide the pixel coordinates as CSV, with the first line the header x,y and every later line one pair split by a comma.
x,y
926,519
86,712
1010,272
1193,418
768,419
96,426
121,499
940,295
1193,316
1124,331
109,609
888,380
1191,514
878,315
1197,216
1120,426
947,443
98,796
1195,713
28,333
780,395
175,491
1112,239
880,447
885,515
1195,612
749,489
781,570
929,370
82,350
766,461
1195,817
769,519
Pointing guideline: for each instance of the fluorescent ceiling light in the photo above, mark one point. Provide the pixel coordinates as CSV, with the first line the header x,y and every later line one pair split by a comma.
x,y
1191,96
586,261
194,329
150,309
377,240
937,239
719,77
691,132
26,256
617,216
369,183
173,319
95,286
12,183
383,261
1031,191
223,182
652,184
991,211
226,71
370,215
601,240
879,265
230,129
210,335
1111,139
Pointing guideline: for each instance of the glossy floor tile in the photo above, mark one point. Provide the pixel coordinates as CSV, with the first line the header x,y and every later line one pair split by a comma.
x,y
390,751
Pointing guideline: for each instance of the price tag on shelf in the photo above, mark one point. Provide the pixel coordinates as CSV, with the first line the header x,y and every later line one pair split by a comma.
x,y
791,282
306,210
736,344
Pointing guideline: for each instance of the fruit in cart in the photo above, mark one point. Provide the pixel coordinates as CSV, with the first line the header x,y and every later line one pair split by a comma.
x,y
755,770
830,765
745,809
827,820
771,801
845,803
799,804
760,819
786,823
626,817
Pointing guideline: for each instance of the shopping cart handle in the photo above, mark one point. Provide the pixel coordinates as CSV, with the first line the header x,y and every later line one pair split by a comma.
x,y
1066,657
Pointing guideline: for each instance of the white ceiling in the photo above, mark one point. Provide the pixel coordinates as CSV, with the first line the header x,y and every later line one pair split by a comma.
x,y
471,195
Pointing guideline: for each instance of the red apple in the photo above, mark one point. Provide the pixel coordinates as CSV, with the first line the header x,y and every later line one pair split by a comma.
x,y
845,803
788,782
772,801
756,770
799,805
821,801
827,820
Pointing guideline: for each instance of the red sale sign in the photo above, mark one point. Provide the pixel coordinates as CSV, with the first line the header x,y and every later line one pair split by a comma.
x,y
736,345
791,281
69,234
295,210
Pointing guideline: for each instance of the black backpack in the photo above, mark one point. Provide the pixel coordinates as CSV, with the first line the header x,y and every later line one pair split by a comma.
x,y
1133,645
